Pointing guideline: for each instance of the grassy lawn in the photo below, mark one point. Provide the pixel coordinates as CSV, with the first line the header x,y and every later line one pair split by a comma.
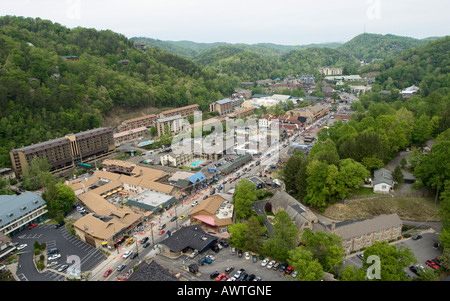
x,y
407,208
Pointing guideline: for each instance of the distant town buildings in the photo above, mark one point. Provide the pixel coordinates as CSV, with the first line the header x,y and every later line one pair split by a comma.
x,y
222,106
330,71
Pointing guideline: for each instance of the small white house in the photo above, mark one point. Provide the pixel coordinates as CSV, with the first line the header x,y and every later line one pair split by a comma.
x,y
383,181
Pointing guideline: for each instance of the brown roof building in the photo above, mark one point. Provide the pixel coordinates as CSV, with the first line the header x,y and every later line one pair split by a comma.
x,y
63,153
213,214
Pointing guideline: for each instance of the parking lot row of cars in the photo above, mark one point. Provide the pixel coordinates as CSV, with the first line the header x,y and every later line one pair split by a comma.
x,y
242,275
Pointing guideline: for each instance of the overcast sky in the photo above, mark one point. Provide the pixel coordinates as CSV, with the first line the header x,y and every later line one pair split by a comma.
x,y
288,22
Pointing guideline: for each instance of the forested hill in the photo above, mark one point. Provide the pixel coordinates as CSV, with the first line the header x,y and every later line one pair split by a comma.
x,y
44,95
369,46
426,66
192,50
248,65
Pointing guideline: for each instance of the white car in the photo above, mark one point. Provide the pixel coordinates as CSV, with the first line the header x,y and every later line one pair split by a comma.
x,y
212,257
231,279
126,254
264,262
53,257
195,203
270,264
247,255
51,264
22,246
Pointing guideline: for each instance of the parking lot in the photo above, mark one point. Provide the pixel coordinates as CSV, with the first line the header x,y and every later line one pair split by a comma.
x,y
224,259
72,251
422,248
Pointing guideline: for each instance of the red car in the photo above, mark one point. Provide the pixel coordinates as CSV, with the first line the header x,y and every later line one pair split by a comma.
x,y
289,270
107,273
432,264
161,232
32,226
221,277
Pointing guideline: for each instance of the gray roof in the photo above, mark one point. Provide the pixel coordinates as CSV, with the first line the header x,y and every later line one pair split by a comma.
x,y
383,175
296,211
358,227
13,207
150,270
188,237
224,101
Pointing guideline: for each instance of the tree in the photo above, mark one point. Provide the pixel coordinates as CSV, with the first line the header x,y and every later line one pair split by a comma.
x,y
326,248
238,234
393,260
283,238
434,169
253,238
352,273
397,175
243,197
351,175
37,174
308,268
317,174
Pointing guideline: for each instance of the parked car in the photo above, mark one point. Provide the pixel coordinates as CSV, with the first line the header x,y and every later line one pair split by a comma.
x,y
229,269
238,273
51,264
243,276
221,277
63,267
53,257
276,265
289,270
213,275
34,225
59,225
247,255
264,262
416,237
270,264
254,258
240,253
206,260
52,251
432,264
283,267
294,274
